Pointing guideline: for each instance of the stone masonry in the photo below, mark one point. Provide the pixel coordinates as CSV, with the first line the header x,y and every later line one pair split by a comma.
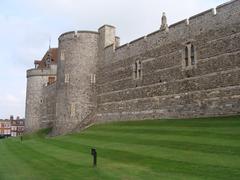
x,y
188,69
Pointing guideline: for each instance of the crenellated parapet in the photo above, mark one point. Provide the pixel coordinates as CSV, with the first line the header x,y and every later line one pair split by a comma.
x,y
42,72
221,16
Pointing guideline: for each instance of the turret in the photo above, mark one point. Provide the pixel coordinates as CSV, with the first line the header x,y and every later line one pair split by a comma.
x,y
37,79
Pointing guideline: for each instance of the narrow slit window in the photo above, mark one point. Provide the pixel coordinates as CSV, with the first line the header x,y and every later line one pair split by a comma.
x,y
93,78
67,78
139,69
62,56
192,55
186,56
136,70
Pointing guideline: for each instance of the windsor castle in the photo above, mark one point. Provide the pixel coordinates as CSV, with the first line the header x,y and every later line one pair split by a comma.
x,y
184,70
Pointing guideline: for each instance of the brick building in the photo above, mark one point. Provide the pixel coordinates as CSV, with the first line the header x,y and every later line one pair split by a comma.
x,y
5,128
17,126
11,127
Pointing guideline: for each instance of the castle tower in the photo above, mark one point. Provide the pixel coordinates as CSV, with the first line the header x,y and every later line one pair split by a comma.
x,y
78,55
37,79
106,38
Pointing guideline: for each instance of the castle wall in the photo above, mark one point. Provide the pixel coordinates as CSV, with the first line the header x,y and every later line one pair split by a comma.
x,y
166,89
48,107
78,55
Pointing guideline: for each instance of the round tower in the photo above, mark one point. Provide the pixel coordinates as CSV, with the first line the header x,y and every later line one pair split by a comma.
x,y
36,81
78,56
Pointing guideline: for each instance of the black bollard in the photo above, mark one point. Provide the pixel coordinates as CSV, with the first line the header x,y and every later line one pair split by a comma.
x,y
21,138
94,154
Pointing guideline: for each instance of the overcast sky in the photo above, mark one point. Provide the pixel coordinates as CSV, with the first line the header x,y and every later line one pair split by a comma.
x,y
27,25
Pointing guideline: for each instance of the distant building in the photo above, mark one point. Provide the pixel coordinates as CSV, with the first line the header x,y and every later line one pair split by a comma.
x,y
11,127
5,128
17,126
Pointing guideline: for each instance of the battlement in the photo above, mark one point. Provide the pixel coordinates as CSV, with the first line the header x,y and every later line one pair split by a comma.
x,y
42,72
228,6
106,25
194,25
74,34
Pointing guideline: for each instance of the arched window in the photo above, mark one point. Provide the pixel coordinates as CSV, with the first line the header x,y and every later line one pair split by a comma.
x,y
192,55
186,56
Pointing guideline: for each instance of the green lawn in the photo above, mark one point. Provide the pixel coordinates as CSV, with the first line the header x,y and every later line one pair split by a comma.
x,y
161,149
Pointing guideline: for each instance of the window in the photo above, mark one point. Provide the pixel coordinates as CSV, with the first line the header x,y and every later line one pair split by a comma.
x,y
137,70
62,56
51,80
67,78
93,78
186,56
192,55
189,60
72,110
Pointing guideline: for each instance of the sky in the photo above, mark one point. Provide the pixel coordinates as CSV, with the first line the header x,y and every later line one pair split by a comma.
x,y
27,25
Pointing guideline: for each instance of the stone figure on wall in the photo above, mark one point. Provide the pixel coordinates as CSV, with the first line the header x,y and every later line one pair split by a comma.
x,y
164,25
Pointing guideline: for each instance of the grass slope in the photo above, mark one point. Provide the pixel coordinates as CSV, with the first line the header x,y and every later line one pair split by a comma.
x,y
162,149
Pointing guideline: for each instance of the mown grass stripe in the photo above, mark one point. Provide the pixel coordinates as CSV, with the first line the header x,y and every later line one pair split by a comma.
x,y
182,138
178,132
198,122
221,131
39,161
155,164
9,163
182,145
163,152
102,160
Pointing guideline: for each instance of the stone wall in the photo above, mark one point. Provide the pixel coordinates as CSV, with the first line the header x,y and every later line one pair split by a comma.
x,y
48,107
167,89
